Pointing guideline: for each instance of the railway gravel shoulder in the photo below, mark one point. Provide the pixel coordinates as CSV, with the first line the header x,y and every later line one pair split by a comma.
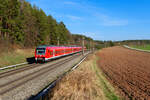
x,y
31,88
23,71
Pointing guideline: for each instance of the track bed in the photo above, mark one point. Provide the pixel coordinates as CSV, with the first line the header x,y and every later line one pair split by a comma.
x,y
128,70
24,83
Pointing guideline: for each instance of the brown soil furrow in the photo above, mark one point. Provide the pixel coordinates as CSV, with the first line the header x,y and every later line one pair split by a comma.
x,y
128,70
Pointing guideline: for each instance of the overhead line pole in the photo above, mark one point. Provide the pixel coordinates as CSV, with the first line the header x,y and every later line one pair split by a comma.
x,y
92,46
58,41
82,45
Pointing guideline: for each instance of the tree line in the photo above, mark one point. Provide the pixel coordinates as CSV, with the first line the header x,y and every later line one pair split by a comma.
x,y
27,25
132,42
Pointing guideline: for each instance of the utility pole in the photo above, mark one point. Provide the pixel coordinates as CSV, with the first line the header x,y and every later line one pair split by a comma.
x,y
57,41
93,46
90,45
82,45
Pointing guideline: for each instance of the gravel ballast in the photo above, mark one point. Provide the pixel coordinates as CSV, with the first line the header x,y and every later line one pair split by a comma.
x,y
34,86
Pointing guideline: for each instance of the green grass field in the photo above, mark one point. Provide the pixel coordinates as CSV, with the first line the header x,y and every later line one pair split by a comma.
x,y
146,47
15,57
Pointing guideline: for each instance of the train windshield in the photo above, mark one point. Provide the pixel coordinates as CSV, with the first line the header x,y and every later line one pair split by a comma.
x,y
40,51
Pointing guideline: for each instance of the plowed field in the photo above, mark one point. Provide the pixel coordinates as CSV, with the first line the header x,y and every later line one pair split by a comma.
x,y
128,70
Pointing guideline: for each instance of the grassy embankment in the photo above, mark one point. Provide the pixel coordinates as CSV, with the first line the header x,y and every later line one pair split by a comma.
x,y
15,56
146,47
87,82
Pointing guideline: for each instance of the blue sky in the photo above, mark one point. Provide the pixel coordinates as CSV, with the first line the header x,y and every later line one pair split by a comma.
x,y
101,19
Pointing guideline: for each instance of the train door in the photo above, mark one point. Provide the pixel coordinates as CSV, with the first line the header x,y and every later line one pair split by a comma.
x,y
51,53
56,52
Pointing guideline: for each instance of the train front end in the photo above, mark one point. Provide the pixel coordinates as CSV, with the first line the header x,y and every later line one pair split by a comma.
x,y
40,54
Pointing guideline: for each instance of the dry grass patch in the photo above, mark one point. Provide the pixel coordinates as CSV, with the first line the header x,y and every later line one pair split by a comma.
x,y
81,84
15,56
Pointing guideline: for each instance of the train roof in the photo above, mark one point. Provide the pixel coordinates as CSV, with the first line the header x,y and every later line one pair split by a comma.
x,y
53,46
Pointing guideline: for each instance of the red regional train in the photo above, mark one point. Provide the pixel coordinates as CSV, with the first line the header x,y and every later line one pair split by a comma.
x,y
45,53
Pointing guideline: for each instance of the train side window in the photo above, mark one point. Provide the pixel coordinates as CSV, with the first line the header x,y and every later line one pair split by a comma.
x,y
51,52
56,52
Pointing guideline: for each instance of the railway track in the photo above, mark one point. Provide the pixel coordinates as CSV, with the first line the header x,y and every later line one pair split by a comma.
x,y
14,71
21,69
12,84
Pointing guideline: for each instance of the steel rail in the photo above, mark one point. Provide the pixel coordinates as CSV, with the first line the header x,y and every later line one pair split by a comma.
x,y
19,70
32,76
50,86
11,66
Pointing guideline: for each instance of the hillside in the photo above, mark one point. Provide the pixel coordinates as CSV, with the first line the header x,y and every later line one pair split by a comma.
x,y
29,26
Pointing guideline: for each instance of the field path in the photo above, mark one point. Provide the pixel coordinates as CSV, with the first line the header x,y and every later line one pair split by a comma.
x,y
128,70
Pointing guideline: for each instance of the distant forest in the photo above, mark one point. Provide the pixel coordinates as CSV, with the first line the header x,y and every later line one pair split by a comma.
x,y
133,42
29,26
